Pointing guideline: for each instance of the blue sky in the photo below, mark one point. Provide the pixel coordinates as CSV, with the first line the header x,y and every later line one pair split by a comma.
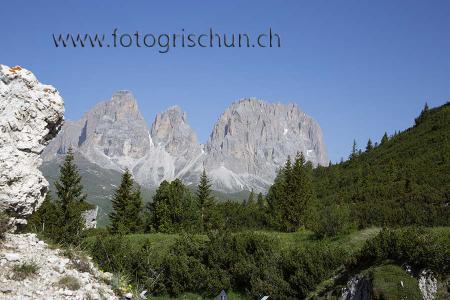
x,y
358,67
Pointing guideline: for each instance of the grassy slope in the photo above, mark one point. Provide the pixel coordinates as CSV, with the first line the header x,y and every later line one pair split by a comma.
x,y
392,282
161,242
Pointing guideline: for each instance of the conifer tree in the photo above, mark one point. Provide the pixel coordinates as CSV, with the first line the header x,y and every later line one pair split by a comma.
x,y
354,150
369,145
134,212
126,204
205,200
174,209
251,199
298,195
68,187
70,198
260,201
46,219
384,139
277,194
423,114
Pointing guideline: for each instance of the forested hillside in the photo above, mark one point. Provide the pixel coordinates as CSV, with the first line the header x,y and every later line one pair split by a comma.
x,y
404,180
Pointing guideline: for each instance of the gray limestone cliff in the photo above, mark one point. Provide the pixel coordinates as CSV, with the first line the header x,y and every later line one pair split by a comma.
x,y
31,114
253,138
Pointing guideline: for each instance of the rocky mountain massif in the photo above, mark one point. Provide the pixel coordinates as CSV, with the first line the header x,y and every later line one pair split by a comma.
x,y
248,144
31,114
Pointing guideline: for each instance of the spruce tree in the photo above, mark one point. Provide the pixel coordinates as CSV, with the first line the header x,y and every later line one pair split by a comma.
x,y
70,199
122,202
423,114
369,145
68,187
174,208
134,212
299,194
205,201
277,195
46,218
260,201
251,199
384,139
354,150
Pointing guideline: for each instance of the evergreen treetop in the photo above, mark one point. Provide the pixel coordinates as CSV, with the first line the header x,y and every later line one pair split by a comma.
x,y
369,145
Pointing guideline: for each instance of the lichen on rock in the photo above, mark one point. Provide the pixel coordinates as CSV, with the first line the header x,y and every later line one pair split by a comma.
x,y
31,114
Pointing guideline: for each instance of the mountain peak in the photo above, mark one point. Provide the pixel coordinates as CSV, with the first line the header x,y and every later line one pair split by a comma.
x,y
256,102
249,142
171,126
253,138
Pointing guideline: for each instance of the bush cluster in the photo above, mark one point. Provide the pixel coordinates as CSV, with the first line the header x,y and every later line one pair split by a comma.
x,y
418,247
250,263
4,224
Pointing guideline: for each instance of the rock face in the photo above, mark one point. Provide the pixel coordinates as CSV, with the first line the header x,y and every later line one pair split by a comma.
x,y
51,267
31,114
358,288
427,285
252,139
249,143
90,218
113,134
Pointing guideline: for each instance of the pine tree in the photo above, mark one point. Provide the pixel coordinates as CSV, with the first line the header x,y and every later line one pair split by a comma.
x,y
384,139
175,209
260,201
423,114
122,202
251,199
70,199
46,219
205,201
277,195
68,187
369,146
133,212
298,194
354,150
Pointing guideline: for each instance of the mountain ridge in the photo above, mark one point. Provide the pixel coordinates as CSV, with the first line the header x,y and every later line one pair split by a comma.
x,y
250,141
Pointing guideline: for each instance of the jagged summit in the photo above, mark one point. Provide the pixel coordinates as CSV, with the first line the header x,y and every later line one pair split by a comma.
x,y
253,138
248,144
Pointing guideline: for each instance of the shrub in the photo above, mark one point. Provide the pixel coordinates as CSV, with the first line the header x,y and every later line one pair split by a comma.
x,y
418,247
246,262
184,269
25,270
81,264
4,224
69,282
332,220
307,266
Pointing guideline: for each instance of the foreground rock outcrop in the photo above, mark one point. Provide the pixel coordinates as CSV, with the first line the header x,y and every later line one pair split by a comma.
x,y
250,141
53,276
31,114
